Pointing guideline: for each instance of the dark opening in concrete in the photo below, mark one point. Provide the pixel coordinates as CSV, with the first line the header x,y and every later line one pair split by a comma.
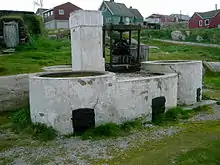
x,y
82,120
158,108
71,74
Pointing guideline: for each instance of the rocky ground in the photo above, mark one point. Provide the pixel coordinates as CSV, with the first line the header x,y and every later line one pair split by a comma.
x,y
74,151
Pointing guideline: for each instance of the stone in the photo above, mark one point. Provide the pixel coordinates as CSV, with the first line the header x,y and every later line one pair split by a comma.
x,y
52,36
8,51
87,40
177,36
199,38
187,33
19,162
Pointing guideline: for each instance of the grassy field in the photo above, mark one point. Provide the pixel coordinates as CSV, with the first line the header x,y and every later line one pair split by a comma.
x,y
168,51
35,55
198,144
208,35
45,52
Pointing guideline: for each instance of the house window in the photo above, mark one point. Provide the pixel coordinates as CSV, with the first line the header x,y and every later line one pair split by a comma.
x,y
127,20
200,22
108,20
61,12
51,13
207,22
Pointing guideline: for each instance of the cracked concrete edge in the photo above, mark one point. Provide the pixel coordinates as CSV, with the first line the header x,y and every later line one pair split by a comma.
x,y
202,103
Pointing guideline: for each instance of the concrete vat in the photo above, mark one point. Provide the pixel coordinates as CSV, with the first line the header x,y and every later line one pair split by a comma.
x,y
189,75
114,98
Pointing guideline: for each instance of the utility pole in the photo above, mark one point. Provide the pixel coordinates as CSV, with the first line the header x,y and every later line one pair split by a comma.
x,y
40,4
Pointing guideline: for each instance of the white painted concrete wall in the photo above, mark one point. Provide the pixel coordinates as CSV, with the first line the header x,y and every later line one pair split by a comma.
x,y
53,99
86,40
57,68
14,92
133,98
189,73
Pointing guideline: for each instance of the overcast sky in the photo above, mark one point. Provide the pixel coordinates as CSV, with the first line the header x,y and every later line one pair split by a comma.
x,y
146,7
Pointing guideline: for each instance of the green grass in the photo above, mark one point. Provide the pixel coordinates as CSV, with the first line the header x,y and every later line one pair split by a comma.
x,y
169,51
31,57
113,130
41,51
20,123
197,144
209,35
174,115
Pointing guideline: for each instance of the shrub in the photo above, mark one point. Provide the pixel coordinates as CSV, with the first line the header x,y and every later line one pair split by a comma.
x,y
33,23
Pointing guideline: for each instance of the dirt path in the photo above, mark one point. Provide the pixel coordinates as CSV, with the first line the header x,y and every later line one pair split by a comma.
x,y
189,43
74,151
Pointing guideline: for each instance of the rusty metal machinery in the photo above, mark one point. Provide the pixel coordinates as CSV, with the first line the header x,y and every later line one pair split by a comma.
x,y
120,57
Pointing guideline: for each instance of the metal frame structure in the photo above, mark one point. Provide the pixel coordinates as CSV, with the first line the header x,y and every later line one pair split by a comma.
x,y
129,62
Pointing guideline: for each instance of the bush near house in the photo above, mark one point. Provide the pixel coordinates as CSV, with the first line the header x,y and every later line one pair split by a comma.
x,y
32,23
205,35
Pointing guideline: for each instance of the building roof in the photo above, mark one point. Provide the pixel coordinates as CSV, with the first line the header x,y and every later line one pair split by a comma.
x,y
2,12
69,3
119,9
41,9
208,14
181,16
136,13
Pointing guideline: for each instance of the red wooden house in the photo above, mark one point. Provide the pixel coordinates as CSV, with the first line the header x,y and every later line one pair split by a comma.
x,y
210,19
58,17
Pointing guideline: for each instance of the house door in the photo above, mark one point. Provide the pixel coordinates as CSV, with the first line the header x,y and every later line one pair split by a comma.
x,y
11,34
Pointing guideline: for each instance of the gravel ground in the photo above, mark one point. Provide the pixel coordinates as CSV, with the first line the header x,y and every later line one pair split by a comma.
x,y
210,116
74,151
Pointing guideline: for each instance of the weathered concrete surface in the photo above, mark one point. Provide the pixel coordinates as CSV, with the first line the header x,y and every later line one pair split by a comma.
x,y
52,100
87,40
13,92
212,66
57,68
189,75
133,97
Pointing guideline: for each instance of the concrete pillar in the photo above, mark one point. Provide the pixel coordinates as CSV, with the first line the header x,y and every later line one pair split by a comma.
x,y
87,40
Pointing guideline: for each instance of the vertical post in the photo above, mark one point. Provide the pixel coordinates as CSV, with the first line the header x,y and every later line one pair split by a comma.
x,y
129,37
110,35
103,42
87,52
138,48
121,35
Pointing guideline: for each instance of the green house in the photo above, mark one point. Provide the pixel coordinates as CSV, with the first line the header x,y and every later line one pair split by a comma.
x,y
113,12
